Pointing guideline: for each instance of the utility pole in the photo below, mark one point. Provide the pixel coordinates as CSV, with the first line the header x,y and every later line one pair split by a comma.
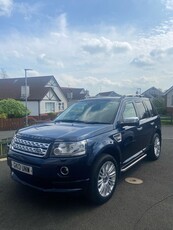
x,y
26,96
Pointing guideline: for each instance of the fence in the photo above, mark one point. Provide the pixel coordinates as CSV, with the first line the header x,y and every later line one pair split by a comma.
x,y
167,119
11,123
18,123
4,146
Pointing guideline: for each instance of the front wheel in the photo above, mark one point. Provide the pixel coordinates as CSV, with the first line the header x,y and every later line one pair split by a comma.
x,y
103,179
155,150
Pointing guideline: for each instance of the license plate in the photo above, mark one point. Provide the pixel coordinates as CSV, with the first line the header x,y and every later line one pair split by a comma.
x,y
22,168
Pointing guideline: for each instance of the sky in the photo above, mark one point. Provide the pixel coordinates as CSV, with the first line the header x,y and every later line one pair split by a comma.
x,y
112,45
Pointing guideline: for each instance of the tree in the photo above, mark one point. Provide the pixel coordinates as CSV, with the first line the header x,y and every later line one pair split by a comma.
x,y
3,74
159,103
12,108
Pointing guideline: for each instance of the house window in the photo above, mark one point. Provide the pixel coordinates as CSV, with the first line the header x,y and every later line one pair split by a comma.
x,y
50,107
59,106
62,106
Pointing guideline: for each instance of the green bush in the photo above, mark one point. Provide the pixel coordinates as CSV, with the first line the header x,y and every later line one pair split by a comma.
x,y
12,108
3,115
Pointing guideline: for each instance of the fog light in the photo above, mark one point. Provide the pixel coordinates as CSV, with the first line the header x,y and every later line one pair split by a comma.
x,y
64,170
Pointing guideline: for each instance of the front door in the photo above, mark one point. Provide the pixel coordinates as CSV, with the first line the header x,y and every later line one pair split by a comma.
x,y
130,134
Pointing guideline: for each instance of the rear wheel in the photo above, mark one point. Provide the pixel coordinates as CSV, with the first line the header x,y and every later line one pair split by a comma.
x,y
103,179
155,150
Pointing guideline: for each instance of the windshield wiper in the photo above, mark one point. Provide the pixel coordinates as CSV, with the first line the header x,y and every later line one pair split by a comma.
x,y
85,122
70,121
96,122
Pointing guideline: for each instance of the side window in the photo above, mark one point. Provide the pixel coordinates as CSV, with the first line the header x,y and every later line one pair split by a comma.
x,y
143,113
129,111
149,107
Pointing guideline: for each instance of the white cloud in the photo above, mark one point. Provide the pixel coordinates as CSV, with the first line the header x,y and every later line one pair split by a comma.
x,y
6,7
168,4
119,85
61,23
142,61
104,45
93,83
43,59
16,54
98,62
162,53
27,10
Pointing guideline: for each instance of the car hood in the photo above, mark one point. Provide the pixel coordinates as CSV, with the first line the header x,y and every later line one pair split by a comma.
x,y
66,131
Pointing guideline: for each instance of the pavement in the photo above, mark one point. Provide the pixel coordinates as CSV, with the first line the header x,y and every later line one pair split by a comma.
x,y
7,134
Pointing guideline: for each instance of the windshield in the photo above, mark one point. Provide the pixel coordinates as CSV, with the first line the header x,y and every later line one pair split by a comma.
x,y
91,111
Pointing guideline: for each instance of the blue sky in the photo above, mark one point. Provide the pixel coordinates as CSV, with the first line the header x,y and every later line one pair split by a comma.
x,y
118,45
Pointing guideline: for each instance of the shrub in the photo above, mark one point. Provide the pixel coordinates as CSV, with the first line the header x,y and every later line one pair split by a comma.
x,y
12,108
3,115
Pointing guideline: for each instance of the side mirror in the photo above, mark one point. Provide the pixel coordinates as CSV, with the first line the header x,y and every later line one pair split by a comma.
x,y
131,121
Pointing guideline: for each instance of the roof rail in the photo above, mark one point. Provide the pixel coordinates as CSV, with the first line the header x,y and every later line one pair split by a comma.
x,y
131,95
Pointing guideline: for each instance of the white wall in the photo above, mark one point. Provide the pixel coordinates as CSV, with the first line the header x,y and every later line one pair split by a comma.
x,y
33,107
42,106
169,99
61,96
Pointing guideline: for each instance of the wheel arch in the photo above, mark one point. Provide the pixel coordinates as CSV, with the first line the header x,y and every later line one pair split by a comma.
x,y
110,150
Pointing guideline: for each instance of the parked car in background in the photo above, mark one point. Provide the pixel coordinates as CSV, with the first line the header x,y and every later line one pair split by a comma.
x,y
87,146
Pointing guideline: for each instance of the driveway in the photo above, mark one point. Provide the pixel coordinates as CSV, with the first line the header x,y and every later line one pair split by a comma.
x,y
148,206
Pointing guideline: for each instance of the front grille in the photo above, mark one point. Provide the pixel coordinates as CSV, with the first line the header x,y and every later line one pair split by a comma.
x,y
29,147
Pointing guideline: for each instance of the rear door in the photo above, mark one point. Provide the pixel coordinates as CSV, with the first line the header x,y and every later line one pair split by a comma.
x,y
146,124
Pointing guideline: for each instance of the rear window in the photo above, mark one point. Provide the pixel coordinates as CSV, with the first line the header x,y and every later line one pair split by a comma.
x,y
150,108
142,112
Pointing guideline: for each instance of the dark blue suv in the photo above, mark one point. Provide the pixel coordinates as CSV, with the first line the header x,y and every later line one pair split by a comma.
x,y
87,146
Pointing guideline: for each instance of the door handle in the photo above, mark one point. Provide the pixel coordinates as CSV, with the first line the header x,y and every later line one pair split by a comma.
x,y
139,129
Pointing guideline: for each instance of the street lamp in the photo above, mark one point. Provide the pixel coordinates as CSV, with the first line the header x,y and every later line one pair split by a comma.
x,y
138,92
26,96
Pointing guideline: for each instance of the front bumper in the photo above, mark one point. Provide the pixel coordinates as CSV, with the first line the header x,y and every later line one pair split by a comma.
x,y
47,174
72,186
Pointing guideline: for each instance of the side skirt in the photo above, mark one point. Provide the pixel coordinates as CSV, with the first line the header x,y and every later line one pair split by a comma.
x,y
133,163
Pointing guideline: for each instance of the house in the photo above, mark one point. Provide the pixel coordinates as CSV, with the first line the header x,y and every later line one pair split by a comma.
x,y
44,95
153,93
108,94
169,99
74,94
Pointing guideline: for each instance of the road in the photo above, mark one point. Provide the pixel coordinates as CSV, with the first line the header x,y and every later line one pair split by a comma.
x,y
148,206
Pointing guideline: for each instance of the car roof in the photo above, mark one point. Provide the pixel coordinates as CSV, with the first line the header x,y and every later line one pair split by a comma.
x,y
124,98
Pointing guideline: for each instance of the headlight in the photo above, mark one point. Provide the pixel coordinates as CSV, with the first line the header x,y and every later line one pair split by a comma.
x,y
12,142
69,148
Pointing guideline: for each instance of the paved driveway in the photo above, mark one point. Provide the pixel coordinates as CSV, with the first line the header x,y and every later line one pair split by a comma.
x,y
148,206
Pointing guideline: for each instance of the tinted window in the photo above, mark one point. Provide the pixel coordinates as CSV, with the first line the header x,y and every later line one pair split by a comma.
x,y
129,111
149,107
143,113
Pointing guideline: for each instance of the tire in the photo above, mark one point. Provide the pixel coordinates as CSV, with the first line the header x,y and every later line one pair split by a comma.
x,y
155,150
103,179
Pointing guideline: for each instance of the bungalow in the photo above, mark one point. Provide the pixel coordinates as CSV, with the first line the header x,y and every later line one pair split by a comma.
x,y
44,95
153,93
169,99
108,94
74,94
